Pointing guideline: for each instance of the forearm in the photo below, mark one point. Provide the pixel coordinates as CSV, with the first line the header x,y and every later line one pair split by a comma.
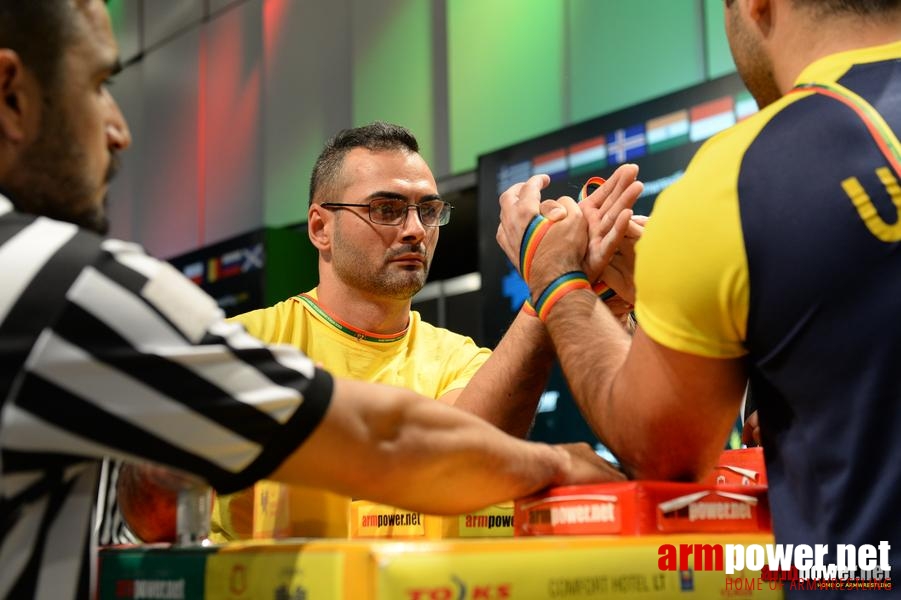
x,y
591,345
664,414
506,389
389,445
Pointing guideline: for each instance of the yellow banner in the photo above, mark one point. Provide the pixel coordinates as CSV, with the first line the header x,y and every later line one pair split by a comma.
x,y
556,569
272,575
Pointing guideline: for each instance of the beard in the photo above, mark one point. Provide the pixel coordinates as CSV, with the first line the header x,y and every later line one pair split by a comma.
x,y
353,267
752,63
50,178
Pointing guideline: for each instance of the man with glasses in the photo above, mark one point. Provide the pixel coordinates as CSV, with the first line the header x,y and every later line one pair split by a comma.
x,y
107,352
375,216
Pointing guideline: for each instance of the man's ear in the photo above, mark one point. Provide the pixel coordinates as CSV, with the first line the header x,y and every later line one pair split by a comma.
x,y
761,13
19,97
319,228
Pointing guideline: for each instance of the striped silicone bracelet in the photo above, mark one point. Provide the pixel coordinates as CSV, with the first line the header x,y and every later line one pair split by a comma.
x,y
600,289
603,291
529,309
566,283
592,181
532,236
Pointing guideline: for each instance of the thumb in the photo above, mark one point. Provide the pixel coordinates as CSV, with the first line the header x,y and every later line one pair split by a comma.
x,y
552,210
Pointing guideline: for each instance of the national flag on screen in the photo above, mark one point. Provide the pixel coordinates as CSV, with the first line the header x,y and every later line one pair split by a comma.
x,y
194,272
230,263
253,257
550,163
626,144
212,270
711,117
513,173
745,106
668,131
589,156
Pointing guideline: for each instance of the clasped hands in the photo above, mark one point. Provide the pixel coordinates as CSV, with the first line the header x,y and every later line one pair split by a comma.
x,y
596,236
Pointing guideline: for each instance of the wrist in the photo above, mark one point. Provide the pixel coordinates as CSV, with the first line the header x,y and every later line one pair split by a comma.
x,y
556,289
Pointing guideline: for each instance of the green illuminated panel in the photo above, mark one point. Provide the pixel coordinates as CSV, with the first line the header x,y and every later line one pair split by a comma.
x,y
719,58
392,66
505,62
115,14
626,52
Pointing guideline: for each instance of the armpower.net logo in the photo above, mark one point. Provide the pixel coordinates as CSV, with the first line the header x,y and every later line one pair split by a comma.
x,y
785,566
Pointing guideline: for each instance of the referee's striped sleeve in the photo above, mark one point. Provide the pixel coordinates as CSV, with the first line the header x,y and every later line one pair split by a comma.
x,y
106,353
138,364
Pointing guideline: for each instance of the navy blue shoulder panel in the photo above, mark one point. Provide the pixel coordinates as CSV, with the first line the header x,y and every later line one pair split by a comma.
x,y
880,85
824,324
804,239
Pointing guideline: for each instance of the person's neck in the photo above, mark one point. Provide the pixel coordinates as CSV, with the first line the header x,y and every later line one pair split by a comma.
x,y
810,43
363,310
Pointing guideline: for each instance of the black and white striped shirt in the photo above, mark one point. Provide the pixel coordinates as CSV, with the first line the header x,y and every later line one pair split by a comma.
x,y
107,352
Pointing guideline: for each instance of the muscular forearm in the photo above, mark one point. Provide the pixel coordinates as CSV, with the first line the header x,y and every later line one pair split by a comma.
x,y
663,413
388,445
591,345
505,391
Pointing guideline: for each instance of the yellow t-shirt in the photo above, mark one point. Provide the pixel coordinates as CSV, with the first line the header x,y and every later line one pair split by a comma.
x,y
426,359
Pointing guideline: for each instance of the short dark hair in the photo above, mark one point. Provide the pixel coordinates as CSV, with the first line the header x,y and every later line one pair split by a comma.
x,y
859,7
377,136
39,31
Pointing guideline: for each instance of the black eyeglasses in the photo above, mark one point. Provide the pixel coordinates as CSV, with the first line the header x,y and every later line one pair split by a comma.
x,y
393,211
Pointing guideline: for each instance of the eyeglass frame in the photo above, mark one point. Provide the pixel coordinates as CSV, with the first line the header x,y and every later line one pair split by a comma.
x,y
416,205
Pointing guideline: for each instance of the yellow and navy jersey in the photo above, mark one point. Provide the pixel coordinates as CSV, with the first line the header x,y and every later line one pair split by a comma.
x,y
781,244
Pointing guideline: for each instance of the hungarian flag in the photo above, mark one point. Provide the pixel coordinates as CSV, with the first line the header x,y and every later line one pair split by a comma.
x,y
745,106
711,117
668,131
589,156
550,163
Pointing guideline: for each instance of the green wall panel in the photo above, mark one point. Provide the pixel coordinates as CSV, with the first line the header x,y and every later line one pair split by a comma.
x,y
292,263
505,79
719,59
626,52
392,66
116,14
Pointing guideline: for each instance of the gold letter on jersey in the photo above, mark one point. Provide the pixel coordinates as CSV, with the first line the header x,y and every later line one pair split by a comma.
x,y
866,209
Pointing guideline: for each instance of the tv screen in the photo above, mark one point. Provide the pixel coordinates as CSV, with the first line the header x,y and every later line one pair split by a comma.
x,y
660,136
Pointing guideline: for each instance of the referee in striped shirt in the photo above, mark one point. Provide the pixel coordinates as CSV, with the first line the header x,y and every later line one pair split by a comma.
x,y
106,352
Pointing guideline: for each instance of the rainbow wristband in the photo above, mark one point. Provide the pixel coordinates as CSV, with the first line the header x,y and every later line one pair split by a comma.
x,y
532,236
603,291
566,283
592,181
528,308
